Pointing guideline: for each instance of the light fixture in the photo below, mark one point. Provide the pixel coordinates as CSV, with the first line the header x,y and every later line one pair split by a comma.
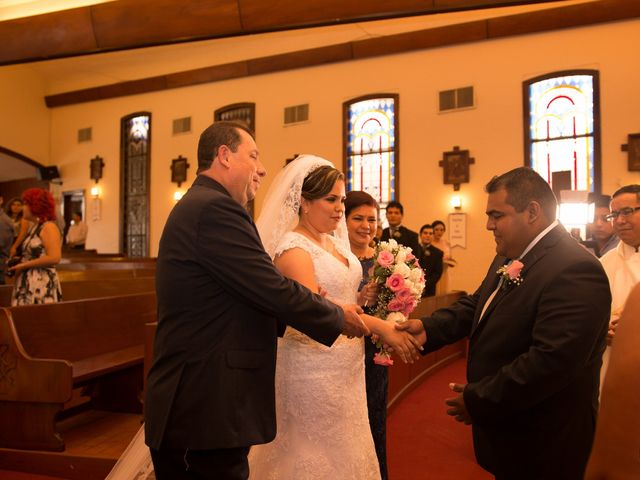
x,y
575,211
456,202
95,191
177,195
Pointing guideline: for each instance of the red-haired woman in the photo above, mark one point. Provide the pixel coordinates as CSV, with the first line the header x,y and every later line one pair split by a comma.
x,y
36,277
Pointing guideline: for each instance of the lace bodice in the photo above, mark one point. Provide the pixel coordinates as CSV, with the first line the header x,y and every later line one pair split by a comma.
x,y
321,406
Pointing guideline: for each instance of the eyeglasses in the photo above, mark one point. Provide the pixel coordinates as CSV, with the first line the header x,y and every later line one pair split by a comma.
x,y
623,212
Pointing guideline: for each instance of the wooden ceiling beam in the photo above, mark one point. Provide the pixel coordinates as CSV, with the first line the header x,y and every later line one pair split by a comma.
x,y
500,27
127,24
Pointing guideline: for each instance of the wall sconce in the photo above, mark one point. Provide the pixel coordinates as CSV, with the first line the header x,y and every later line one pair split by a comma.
x,y
95,168
179,168
95,191
456,202
575,211
177,195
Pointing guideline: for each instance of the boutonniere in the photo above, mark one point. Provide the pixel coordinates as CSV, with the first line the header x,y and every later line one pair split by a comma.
x,y
510,274
397,234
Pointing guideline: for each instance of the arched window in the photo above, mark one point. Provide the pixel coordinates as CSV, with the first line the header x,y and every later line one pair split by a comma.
x,y
562,129
371,146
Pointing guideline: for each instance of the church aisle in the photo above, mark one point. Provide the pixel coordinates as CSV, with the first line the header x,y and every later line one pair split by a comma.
x,y
423,442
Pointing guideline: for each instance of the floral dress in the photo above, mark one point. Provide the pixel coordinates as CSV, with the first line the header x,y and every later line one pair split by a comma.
x,y
39,284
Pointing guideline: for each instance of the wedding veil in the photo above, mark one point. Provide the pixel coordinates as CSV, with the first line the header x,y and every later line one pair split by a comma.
x,y
279,213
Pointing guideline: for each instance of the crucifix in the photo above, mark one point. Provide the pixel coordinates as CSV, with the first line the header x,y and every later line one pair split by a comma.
x,y
455,166
632,147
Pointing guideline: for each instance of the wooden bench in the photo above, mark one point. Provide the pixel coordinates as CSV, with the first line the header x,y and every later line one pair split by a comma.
x,y
103,275
84,289
94,348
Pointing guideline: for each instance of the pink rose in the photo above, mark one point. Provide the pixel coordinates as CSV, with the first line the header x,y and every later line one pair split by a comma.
x,y
395,282
514,269
403,294
409,307
395,305
410,256
382,359
385,259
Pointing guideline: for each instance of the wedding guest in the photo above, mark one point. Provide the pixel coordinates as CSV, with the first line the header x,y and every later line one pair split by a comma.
x,y
36,276
440,242
395,230
615,447
361,212
602,238
6,239
77,234
430,260
536,327
221,302
20,224
622,264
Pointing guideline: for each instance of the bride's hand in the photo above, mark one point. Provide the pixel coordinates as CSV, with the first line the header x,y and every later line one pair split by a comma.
x,y
368,296
402,343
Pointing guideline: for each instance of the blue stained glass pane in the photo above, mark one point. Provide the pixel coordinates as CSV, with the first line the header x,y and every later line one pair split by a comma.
x,y
370,148
561,126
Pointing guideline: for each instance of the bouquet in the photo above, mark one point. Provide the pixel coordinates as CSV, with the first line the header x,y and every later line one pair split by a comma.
x,y
401,280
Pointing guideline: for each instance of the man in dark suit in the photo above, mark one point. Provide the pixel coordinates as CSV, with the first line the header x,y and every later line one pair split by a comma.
x,y
536,333
395,230
430,261
221,304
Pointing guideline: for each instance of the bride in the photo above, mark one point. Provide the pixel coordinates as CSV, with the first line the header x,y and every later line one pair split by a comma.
x,y
322,424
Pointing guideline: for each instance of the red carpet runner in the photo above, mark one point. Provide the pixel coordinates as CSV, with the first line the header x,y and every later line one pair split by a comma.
x,y
423,442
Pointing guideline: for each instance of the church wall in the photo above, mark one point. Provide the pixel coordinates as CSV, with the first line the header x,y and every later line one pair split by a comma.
x,y
492,131
24,118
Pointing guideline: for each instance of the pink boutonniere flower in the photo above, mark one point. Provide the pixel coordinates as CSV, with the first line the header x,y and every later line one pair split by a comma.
x,y
510,274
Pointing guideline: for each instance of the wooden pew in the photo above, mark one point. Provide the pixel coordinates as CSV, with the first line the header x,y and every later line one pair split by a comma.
x,y
107,265
405,377
104,275
84,289
47,351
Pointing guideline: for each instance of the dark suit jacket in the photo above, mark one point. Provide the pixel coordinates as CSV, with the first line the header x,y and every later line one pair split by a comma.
x,y
431,263
220,299
406,237
534,360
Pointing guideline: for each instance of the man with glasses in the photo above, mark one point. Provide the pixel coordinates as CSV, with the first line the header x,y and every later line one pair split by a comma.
x,y
602,237
622,264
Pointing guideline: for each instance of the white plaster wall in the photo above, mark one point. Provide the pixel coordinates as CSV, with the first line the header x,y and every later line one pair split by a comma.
x,y
493,131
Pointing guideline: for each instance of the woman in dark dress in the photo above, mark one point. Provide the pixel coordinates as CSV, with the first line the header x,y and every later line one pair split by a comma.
x,y
361,212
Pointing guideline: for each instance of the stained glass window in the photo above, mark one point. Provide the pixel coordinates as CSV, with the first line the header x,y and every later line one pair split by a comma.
x,y
563,128
371,140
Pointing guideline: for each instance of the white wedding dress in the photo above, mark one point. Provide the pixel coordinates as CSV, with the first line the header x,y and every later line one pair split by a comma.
x,y
321,406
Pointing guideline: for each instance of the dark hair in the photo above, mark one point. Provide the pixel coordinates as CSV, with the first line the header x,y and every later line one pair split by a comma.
x,y
41,204
633,188
599,201
438,222
395,204
357,199
79,214
524,185
8,208
425,226
320,181
216,135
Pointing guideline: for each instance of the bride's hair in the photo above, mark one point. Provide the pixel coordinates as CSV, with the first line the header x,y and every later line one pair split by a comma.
x,y
320,181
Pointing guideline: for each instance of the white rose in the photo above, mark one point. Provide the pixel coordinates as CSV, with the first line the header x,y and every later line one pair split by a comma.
x,y
401,257
402,269
393,245
415,274
396,317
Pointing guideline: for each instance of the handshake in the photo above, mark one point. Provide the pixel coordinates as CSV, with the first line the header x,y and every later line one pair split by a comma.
x,y
405,339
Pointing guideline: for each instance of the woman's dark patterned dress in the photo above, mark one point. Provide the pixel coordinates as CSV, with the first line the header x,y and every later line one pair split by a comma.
x,y
39,284
377,381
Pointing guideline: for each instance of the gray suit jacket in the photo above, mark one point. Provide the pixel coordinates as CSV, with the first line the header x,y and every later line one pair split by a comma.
x,y
220,301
